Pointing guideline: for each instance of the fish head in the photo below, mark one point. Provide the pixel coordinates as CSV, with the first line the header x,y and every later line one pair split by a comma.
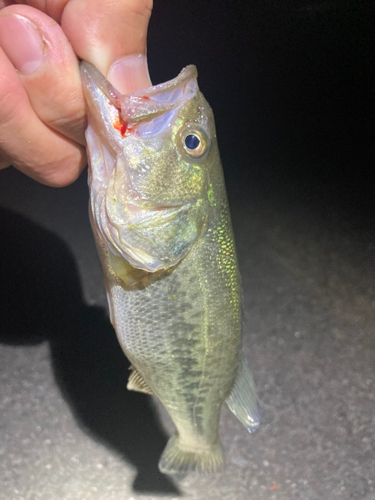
x,y
151,153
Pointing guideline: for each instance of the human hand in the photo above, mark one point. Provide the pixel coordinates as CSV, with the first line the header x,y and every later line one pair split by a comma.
x,y
42,107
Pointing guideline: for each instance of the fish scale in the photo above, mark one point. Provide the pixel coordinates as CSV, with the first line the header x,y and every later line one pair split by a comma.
x,y
161,222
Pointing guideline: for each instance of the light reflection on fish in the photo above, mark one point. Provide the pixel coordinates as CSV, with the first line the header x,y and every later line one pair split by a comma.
x,y
162,226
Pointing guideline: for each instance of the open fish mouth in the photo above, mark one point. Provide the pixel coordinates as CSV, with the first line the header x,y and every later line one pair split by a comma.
x,y
142,107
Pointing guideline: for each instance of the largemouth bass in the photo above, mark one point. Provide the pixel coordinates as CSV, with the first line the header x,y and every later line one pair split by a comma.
x,y
160,217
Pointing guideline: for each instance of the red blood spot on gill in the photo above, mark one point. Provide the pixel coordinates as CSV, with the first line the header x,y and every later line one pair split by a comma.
x,y
123,129
122,126
145,97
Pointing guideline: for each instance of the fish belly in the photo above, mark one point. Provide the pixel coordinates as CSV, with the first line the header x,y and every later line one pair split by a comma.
x,y
182,333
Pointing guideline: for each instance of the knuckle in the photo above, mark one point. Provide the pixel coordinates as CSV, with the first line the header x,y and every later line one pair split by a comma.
x,y
54,169
64,171
74,128
65,115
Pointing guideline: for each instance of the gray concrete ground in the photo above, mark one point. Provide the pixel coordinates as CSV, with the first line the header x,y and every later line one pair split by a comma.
x,y
71,431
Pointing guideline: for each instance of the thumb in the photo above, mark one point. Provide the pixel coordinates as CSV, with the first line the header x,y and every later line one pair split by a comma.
x,y
111,34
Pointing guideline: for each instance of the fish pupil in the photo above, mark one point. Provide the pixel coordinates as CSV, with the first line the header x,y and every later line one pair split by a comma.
x,y
192,141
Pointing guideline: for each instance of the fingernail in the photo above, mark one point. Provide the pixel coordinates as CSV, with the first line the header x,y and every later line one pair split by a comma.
x,y
130,73
22,43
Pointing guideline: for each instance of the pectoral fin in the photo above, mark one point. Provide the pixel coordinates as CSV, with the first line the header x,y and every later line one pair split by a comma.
x,y
243,400
122,269
137,383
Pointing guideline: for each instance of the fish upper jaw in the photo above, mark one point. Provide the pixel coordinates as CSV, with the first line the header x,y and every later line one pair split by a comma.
x,y
148,104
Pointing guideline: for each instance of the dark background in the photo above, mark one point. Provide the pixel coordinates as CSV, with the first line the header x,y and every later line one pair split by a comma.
x,y
291,84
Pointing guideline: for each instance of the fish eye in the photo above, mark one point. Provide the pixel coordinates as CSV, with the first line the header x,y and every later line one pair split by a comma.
x,y
194,142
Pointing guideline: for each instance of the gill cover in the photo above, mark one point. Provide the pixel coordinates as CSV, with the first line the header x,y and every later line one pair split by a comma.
x,y
149,155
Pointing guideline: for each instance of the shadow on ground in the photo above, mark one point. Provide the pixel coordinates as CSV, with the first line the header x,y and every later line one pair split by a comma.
x,y
41,300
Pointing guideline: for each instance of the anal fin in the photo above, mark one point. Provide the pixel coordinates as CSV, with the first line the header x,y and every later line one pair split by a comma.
x,y
137,383
243,400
